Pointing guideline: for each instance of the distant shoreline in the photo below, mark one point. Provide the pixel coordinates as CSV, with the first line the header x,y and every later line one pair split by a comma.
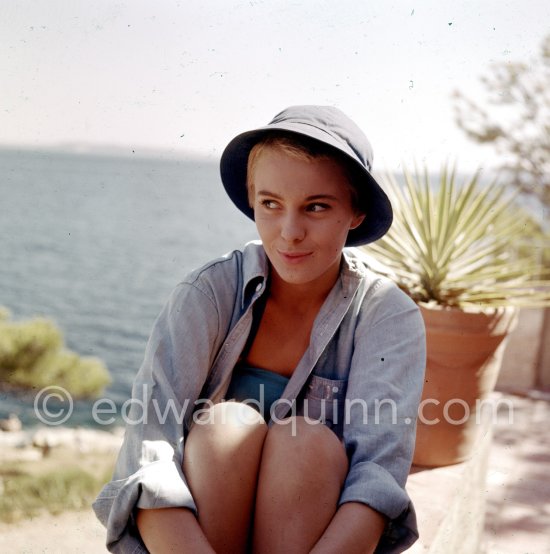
x,y
92,151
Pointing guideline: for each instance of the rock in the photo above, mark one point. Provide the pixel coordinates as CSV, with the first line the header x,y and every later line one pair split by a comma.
x,y
82,440
24,454
11,425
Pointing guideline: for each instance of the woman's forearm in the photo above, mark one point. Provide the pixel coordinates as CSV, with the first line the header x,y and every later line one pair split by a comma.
x,y
355,528
169,530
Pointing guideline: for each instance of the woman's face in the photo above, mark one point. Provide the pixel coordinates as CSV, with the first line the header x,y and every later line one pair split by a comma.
x,y
303,213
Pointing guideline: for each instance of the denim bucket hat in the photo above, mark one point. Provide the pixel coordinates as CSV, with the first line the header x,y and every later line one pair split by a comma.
x,y
331,127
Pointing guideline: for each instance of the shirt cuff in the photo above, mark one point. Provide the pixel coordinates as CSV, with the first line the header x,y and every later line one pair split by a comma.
x,y
374,486
159,484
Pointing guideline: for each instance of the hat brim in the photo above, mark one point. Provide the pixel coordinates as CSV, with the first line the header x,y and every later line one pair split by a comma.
x,y
375,204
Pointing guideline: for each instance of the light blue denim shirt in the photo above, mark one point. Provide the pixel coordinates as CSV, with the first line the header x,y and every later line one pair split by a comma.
x,y
362,374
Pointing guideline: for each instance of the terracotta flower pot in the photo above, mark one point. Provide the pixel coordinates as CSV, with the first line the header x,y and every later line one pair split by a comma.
x,y
464,354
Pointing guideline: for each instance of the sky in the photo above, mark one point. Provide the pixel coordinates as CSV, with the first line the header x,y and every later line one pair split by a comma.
x,y
184,77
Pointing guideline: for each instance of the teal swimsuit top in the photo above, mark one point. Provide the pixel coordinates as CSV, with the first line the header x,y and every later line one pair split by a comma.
x,y
258,388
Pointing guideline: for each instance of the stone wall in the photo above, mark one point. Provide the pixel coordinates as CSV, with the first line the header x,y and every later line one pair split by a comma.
x,y
526,363
450,503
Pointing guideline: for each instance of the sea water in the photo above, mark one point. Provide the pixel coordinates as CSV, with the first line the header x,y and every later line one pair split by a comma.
x,y
97,243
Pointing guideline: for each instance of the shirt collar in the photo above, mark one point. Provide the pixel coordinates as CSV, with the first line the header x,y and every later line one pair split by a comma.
x,y
256,270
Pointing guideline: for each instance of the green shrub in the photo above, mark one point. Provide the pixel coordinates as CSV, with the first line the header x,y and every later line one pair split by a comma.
x,y
24,495
23,344
32,355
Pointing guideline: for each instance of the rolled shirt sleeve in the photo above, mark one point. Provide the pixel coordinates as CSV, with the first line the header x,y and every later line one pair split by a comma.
x,y
148,472
384,391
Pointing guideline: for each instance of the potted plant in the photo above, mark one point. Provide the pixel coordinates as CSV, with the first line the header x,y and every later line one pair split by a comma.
x,y
452,249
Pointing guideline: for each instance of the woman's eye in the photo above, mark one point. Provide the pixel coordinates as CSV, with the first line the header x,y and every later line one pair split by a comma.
x,y
269,204
317,207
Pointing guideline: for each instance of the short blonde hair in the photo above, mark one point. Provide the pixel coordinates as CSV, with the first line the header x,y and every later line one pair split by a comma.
x,y
301,148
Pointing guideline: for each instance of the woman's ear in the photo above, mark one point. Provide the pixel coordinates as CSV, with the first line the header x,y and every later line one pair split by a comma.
x,y
357,220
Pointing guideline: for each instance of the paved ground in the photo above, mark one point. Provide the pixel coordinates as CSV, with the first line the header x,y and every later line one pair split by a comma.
x,y
518,477
70,532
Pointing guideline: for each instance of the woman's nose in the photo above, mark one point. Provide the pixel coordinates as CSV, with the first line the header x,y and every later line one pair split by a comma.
x,y
292,227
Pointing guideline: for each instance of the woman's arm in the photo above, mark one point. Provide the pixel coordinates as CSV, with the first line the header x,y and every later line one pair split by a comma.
x,y
384,389
169,530
355,528
148,473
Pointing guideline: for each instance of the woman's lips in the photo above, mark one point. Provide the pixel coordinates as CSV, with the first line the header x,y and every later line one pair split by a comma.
x,y
294,257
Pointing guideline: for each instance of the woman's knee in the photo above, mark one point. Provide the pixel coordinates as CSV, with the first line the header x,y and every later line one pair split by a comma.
x,y
304,441
226,426
221,463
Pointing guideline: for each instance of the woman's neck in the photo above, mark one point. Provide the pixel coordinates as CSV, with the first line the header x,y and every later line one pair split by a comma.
x,y
301,297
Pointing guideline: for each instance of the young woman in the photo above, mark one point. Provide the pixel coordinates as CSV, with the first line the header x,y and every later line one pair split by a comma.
x,y
322,359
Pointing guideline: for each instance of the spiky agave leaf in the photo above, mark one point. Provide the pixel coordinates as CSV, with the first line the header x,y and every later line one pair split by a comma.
x,y
450,244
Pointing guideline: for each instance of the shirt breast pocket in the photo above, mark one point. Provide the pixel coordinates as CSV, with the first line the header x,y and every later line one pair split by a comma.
x,y
324,401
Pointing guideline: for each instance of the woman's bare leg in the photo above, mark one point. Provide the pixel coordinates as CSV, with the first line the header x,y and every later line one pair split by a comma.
x,y
172,530
221,464
303,468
